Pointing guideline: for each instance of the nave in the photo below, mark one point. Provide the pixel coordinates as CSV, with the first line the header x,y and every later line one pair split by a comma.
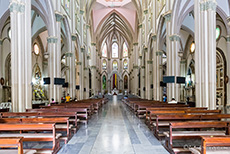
x,y
114,130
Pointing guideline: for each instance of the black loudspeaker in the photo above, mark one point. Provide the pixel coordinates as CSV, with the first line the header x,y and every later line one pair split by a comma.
x,y
180,80
151,86
59,81
169,79
77,87
46,80
65,85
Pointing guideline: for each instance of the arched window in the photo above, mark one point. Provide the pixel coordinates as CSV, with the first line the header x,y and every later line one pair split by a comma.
x,y
125,64
125,50
218,32
115,65
36,49
104,82
115,50
125,82
104,50
104,64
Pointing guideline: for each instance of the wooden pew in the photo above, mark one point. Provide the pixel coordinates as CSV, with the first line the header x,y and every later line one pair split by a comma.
x,y
61,124
14,130
11,142
193,131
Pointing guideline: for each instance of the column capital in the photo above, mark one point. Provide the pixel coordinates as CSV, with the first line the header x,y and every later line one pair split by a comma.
x,y
58,16
149,62
140,57
88,57
142,67
227,38
93,67
79,63
174,37
140,26
82,12
73,37
135,44
159,53
85,68
146,11
154,37
145,48
52,39
228,20
1,41
135,67
167,16
208,5
93,44
88,26
68,54
183,61
16,6
83,48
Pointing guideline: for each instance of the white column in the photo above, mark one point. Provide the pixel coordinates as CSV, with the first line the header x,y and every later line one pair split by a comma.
x,y
158,74
175,67
168,52
135,68
228,70
149,73
109,85
1,91
57,56
205,54
183,74
93,68
20,20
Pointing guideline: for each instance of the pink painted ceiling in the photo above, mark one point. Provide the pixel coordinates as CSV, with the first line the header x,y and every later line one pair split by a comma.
x,y
123,7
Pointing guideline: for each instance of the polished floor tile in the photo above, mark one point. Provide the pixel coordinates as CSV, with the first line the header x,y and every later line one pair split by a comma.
x,y
114,130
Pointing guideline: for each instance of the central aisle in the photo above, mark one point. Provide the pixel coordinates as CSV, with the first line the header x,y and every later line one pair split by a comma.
x,y
114,130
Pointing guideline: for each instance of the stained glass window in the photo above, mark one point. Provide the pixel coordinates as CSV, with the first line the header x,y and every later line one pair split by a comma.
x,y
115,65
104,64
104,50
192,48
36,49
218,32
125,64
115,50
125,50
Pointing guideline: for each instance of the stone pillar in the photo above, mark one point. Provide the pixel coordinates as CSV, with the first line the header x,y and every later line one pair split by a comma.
x,y
21,55
135,68
143,79
57,56
205,54
228,69
1,87
158,74
73,61
169,53
175,67
182,73
149,73
121,85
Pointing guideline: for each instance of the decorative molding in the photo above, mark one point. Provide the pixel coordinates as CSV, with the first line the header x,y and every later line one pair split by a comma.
x,y
52,39
73,37
135,44
58,16
93,44
82,48
109,59
228,20
16,6
88,26
135,67
143,67
79,63
146,11
82,12
1,41
174,37
86,68
149,62
93,67
167,16
227,38
208,5
145,49
159,53
68,54
140,26
183,61
140,57
154,37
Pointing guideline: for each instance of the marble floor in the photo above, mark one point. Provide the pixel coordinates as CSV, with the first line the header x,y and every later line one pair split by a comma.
x,y
114,130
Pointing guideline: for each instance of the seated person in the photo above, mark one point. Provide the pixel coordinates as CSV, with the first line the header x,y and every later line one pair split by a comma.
x,y
173,101
67,98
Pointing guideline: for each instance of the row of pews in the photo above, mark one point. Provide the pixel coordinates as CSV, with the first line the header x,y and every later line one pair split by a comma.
x,y
51,124
184,129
